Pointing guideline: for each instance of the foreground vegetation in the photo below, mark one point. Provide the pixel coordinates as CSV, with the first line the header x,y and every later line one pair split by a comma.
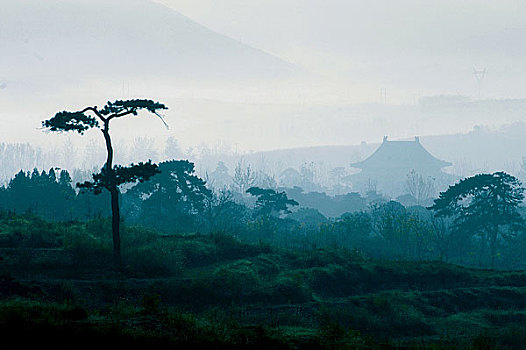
x,y
218,291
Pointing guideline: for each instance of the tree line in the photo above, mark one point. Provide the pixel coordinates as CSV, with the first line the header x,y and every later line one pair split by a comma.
x,y
477,221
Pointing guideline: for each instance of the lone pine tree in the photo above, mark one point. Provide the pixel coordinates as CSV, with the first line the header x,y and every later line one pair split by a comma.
x,y
110,177
482,204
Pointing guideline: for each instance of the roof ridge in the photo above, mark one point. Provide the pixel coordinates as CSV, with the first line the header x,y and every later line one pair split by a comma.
x,y
390,151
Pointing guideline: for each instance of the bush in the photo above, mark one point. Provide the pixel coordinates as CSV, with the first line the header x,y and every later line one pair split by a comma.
x,y
235,281
89,246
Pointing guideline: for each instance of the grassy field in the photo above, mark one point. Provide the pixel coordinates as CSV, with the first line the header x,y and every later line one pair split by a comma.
x,y
58,287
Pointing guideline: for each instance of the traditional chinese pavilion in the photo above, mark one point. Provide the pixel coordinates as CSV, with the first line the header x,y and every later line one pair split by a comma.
x,y
388,167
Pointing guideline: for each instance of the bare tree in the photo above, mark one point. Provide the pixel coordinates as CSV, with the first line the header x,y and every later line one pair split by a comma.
x,y
244,177
420,188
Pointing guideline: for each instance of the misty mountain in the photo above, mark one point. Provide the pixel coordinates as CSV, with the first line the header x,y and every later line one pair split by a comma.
x,y
76,41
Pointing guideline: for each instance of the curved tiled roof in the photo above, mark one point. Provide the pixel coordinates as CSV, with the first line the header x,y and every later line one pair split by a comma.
x,y
401,154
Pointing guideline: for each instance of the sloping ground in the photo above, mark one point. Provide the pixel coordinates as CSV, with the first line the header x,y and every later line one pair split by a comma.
x,y
116,39
215,289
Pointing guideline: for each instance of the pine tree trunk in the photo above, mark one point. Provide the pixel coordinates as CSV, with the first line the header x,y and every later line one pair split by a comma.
x,y
115,228
114,192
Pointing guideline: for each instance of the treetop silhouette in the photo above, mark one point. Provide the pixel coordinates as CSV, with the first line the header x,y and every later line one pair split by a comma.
x,y
481,204
110,177
80,121
271,202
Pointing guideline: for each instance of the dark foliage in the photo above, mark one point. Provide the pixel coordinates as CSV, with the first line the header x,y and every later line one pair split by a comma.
x,y
81,121
131,106
271,202
120,175
172,199
223,293
482,205
71,121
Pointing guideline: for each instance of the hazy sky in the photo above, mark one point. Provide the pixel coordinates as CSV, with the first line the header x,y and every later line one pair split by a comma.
x,y
297,72
410,47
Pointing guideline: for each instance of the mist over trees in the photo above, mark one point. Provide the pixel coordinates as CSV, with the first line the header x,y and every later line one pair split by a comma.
x,y
330,165
282,197
336,174
478,221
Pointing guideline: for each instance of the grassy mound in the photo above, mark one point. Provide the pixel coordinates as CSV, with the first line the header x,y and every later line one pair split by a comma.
x,y
218,292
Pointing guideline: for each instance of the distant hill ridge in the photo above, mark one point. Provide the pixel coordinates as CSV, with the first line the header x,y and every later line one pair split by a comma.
x,y
139,37
482,149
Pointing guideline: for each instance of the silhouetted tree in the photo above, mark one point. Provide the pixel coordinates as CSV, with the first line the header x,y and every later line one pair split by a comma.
x,y
173,195
41,193
18,193
110,176
271,202
481,204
